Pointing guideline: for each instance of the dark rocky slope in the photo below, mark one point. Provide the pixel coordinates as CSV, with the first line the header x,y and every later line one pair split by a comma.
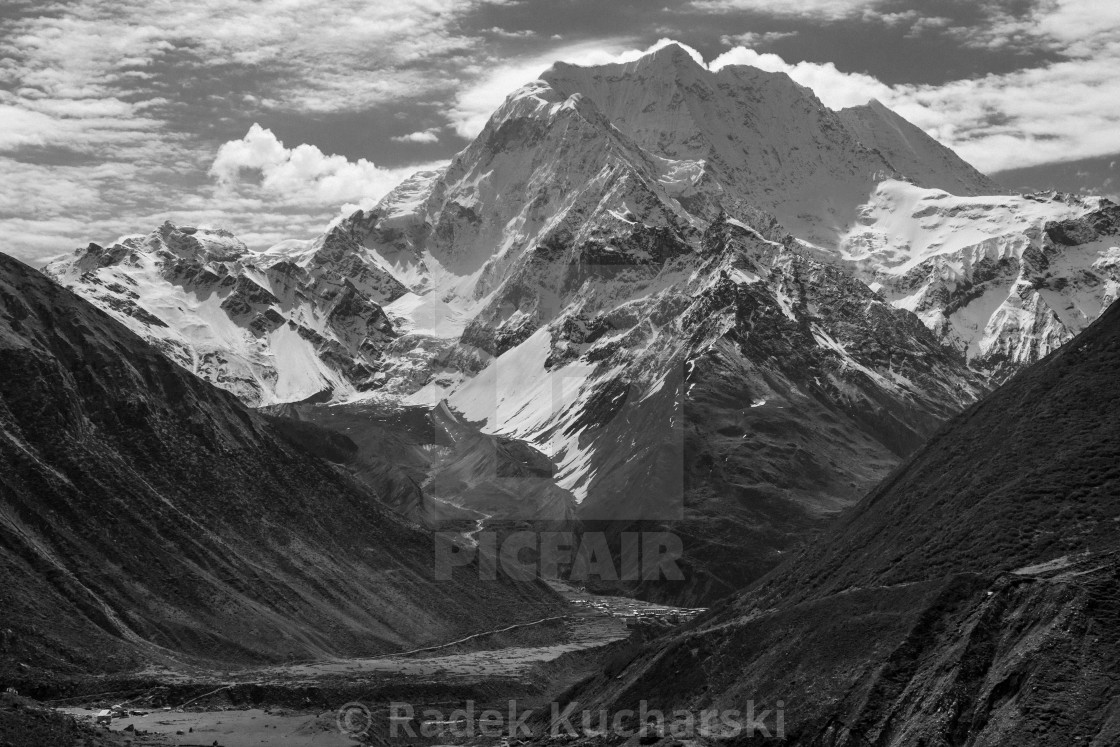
x,y
971,599
795,393
147,515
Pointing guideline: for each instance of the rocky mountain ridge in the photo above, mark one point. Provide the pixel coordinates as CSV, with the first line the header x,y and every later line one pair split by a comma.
x,y
574,157
299,321
970,599
1004,280
148,517
698,292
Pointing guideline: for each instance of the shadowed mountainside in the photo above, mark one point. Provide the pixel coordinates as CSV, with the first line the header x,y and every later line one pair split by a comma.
x,y
146,514
970,599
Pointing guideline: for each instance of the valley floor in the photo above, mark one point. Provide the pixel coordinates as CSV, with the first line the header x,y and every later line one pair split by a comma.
x,y
299,703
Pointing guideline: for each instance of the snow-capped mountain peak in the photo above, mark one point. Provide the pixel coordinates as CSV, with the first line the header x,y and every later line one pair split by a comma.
x,y
276,326
675,283
618,163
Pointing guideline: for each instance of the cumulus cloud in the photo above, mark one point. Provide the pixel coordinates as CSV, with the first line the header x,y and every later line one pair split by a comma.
x,y
102,87
303,174
430,135
263,191
115,100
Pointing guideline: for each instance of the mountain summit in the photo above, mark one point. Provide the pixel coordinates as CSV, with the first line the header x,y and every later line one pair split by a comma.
x,y
699,293
764,138
584,150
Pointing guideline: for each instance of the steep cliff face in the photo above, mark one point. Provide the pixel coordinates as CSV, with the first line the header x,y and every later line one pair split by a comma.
x,y
582,151
970,599
1004,280
147,516
909,150
764,139
300,320
618,159
738,395
700,293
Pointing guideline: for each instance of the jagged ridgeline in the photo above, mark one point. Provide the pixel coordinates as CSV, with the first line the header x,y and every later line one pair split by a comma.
x,y
970,598
640,265
150,517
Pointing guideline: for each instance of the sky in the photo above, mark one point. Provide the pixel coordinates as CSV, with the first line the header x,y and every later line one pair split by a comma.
x,y
273,117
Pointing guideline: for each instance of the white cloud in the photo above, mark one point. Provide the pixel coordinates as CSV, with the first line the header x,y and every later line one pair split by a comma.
x,y
819,9
633,54
49,209
430,135
522,34
473,105
835,88
294,192
1062,111
88,49
118,89
1065,110
926,24
1073,28
300,175
88,125
20,127
106,84
755,38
